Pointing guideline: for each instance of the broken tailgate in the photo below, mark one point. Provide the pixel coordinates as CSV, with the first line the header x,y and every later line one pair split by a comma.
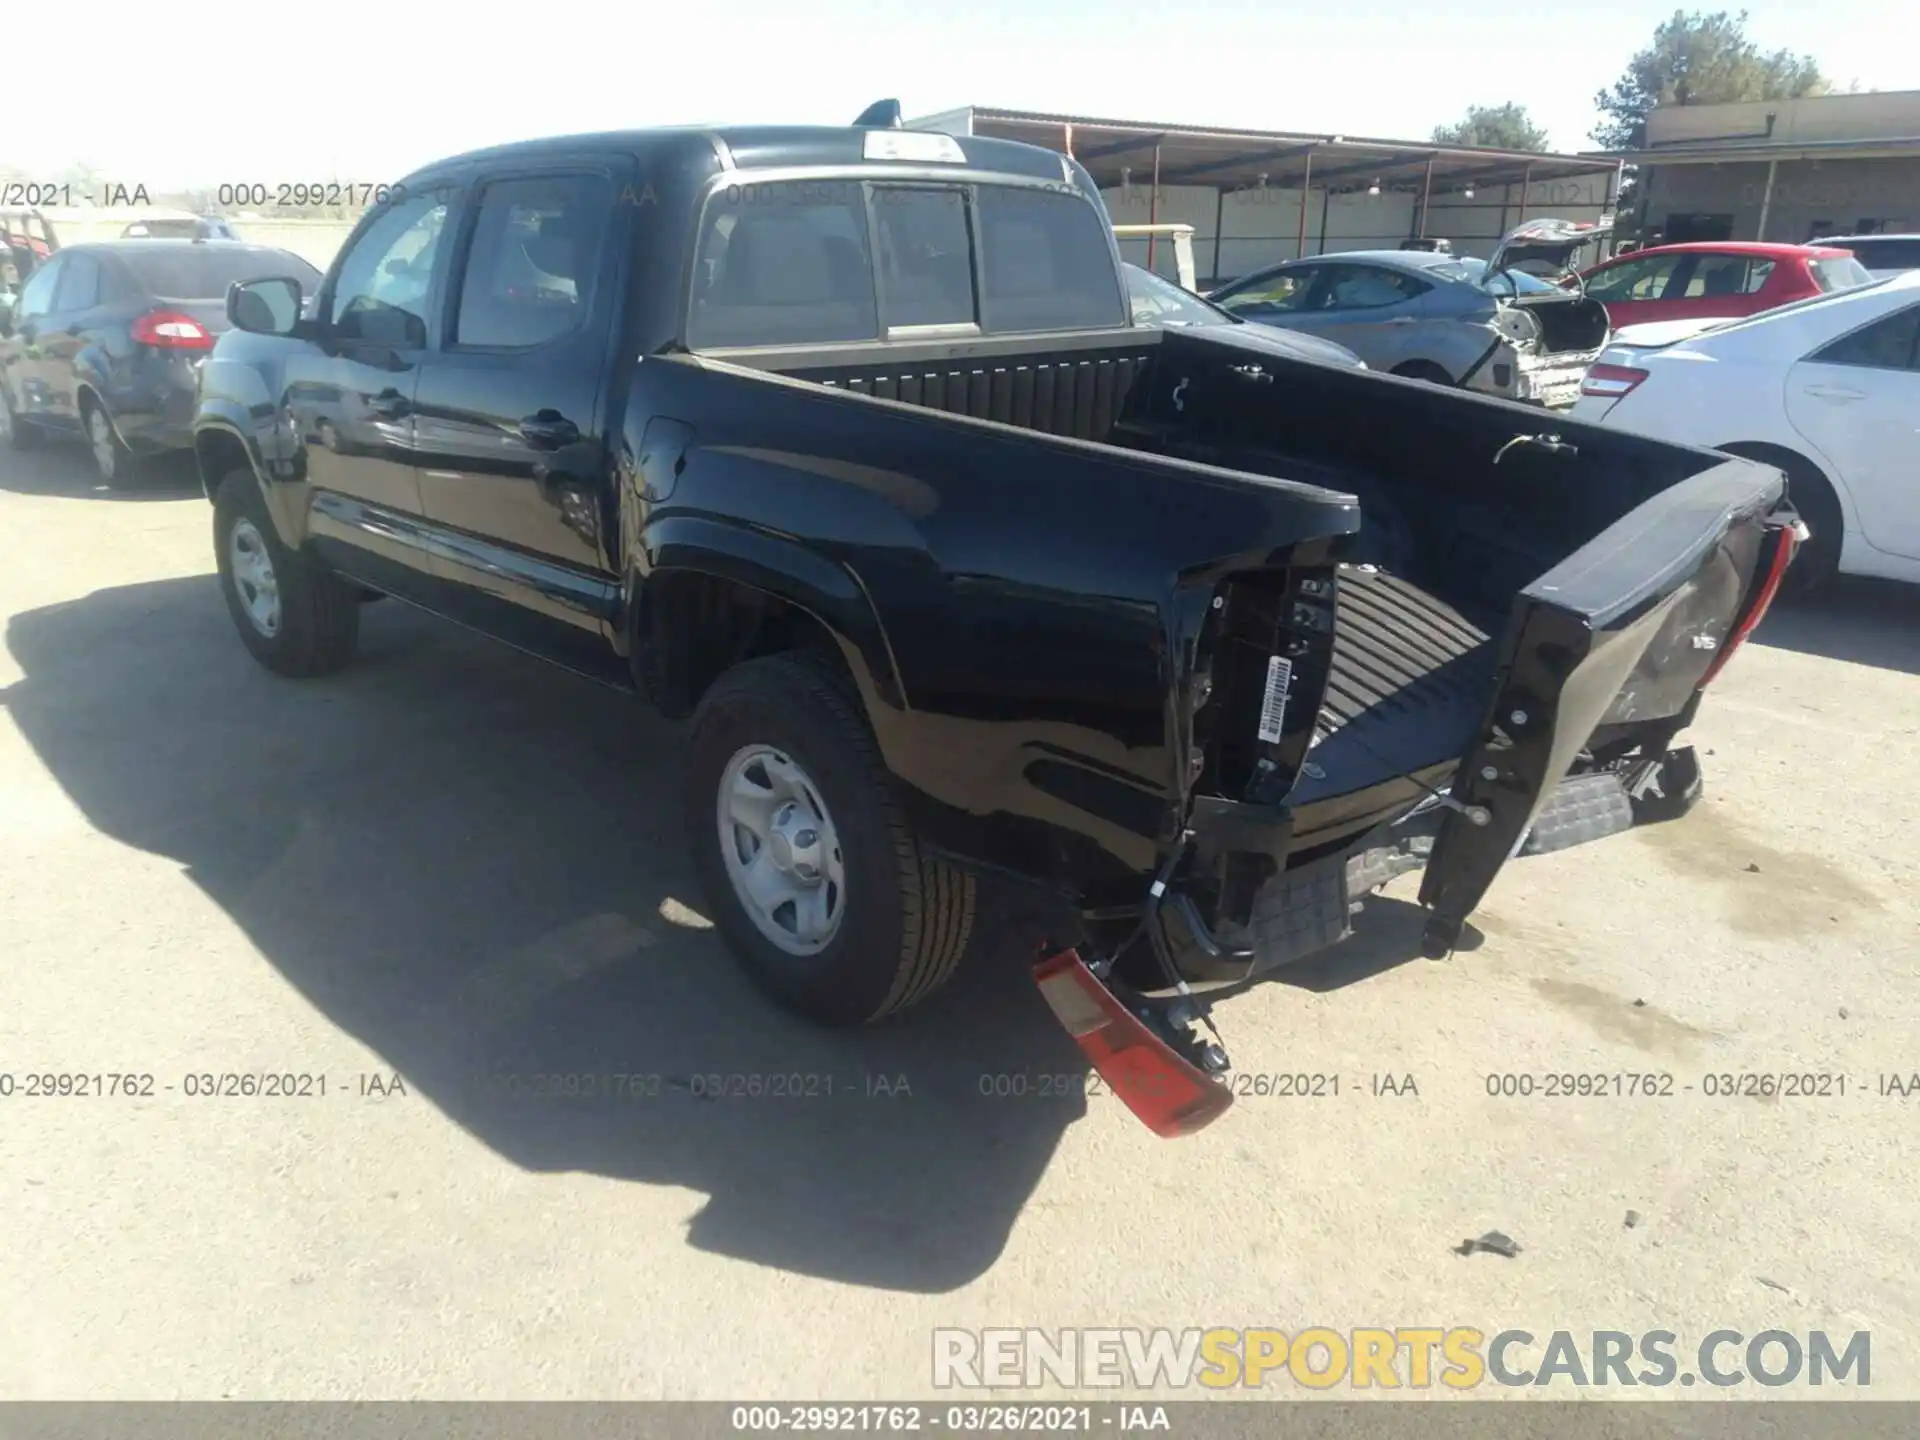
x,y
1616,641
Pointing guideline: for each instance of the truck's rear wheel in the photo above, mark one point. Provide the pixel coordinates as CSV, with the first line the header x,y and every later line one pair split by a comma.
x,y
812,872
294,617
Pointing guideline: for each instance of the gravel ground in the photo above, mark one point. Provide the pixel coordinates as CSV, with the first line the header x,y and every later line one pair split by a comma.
x,y
448,867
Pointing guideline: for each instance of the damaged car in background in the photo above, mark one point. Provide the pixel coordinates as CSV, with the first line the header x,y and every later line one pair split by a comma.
x,y
1428,315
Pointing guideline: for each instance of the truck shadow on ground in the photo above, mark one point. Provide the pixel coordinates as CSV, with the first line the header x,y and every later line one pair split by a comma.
x,y
63,469
475,865
1863,621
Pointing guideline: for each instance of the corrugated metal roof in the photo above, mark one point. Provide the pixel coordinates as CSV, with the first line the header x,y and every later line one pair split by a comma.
x,y
1217,155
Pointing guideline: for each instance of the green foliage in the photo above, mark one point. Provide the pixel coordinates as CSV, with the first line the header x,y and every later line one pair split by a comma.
x,y
1500,127
1698,58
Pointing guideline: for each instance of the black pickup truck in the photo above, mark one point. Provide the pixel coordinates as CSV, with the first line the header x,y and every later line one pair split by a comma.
x,y
841,441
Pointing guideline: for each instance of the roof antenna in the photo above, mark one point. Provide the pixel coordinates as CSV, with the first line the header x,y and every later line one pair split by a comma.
x,y
881,115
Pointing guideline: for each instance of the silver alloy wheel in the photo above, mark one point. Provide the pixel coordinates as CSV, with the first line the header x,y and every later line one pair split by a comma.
x,y
106,454
781,850
253,578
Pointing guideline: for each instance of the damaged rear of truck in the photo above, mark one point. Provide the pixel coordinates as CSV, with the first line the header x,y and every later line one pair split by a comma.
x,y
1367,627
1212,644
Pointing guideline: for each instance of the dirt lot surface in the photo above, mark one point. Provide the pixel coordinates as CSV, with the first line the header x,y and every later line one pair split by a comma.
x,y
452,866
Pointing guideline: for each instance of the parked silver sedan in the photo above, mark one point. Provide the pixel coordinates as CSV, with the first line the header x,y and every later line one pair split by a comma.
x,y
1449,319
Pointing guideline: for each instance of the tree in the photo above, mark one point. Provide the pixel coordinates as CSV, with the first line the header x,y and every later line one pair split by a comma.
x,y
1698,58
1500,127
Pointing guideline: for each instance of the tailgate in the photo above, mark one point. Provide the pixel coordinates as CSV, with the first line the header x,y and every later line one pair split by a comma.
x,y
1617,639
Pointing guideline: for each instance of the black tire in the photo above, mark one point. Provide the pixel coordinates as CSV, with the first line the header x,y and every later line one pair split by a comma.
x,y
1810,494
1423,370
319,613
117,466
907,915
21,434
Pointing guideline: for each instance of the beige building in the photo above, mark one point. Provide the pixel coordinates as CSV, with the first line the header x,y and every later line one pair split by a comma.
x,y
1783,170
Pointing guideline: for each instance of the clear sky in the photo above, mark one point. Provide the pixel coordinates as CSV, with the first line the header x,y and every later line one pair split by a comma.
x,y
238,90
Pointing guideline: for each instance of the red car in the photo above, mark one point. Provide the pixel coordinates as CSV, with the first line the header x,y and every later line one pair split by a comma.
x,y
1719,279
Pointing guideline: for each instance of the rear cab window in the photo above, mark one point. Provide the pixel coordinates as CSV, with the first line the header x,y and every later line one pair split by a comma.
x,y
825,261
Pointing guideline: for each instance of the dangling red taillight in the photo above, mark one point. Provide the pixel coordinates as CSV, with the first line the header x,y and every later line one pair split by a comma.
x,y
170,330
1170,1095
1787,539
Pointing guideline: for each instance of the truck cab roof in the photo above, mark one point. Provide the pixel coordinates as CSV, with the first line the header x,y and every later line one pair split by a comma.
x,y
764,147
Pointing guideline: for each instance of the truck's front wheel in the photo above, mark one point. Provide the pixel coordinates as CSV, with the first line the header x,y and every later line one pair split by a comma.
x,y
295,618
813,874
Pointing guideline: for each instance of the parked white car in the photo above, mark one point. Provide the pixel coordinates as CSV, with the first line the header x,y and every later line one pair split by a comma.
x,y
1828,389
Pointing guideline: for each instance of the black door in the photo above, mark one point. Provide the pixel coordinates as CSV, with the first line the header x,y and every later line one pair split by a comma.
x,y
351,394
511,407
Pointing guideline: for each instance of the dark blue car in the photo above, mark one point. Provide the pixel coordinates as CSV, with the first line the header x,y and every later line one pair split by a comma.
x,y
104,343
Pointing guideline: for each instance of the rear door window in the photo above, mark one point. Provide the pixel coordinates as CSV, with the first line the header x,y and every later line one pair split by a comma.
x,y
1721,275
531,261
1889,343
1282,292
1635,280
1047,258
1369,287
783,264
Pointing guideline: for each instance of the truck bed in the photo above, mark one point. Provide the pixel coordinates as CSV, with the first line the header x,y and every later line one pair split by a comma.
x,y
1407,687
1467,503
1409,672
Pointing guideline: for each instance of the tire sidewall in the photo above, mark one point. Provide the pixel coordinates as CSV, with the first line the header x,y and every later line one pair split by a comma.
x,y
125,464
239,498
849,980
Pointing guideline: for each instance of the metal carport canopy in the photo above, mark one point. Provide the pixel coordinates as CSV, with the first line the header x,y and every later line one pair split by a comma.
x,y
1205,155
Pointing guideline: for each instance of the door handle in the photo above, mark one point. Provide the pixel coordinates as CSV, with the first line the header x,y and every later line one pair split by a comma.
x,y
1835,392
389,405
548,431
1401,320
1255,373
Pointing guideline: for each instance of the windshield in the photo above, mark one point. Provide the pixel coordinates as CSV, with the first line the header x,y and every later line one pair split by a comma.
x,y
1500,282
1157,301
203,274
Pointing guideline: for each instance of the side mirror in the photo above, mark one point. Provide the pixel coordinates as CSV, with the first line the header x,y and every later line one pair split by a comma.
x,y
265,307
